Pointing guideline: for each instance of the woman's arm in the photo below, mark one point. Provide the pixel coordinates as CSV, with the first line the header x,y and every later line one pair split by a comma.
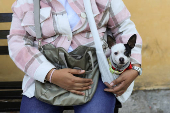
x,y
66,80
123,82
27,58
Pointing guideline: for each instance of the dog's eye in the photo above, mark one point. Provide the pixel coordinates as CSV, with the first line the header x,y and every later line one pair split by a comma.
x,y
115,53
126,54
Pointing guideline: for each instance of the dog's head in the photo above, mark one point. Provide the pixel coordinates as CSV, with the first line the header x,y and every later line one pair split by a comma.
x,y
121,53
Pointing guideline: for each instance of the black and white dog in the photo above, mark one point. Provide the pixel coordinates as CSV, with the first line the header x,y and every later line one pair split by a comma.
x,y
120,54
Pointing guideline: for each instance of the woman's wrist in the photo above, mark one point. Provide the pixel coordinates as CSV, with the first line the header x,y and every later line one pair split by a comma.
x,y
134,73
49,74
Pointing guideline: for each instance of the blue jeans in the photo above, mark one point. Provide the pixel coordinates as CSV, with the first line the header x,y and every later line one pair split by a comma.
x,y
102,102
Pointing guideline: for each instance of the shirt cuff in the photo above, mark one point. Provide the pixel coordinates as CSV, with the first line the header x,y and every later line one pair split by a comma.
x,y
42,71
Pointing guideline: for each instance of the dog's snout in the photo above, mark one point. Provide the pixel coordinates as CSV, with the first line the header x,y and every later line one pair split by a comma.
x,y
121,59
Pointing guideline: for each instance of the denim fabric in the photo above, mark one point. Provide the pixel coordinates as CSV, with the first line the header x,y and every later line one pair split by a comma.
x,y
102,102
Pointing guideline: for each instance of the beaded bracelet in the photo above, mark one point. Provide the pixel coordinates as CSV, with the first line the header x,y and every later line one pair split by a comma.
x,y
51,75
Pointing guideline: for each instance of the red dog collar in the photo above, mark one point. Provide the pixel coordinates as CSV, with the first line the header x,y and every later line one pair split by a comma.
x,y
129,67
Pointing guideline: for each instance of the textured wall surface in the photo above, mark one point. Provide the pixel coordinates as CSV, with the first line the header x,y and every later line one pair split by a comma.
x,y
152,22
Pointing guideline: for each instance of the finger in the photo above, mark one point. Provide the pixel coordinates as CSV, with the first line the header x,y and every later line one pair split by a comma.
x,y
80,85
119,87
117,81
76,71
77,92
120,93
108,90
83,88
108,85
83,80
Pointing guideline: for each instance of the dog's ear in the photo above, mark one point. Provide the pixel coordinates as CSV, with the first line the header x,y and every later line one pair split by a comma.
x,y
110,41
110,38
132,41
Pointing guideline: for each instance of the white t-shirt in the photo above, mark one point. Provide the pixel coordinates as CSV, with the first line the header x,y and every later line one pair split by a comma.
x,y
72,16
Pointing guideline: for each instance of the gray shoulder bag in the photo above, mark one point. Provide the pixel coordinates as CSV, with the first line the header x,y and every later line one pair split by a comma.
x,y
82,57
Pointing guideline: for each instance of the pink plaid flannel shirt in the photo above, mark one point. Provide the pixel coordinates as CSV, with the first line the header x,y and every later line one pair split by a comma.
x,y
56,30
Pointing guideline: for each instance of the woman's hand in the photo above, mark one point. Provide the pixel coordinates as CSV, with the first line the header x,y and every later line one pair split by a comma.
x,y
66,80
122,83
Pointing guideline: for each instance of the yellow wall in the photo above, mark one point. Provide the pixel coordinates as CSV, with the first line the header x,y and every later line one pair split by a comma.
x,y
5,7
152,20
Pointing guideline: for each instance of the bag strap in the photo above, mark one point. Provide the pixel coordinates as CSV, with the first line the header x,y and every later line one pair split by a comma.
x,y
37,23
102,61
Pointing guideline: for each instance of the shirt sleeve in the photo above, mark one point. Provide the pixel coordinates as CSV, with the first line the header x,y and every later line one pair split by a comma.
x,y
22,51
123,28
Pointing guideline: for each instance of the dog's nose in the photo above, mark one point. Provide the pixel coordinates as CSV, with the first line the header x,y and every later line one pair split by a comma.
x,y
121,59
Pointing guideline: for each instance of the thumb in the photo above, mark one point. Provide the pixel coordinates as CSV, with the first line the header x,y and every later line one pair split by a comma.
x,y
117,81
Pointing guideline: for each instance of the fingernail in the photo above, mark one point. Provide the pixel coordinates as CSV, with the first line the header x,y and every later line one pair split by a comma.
x,y
83,94
89,87
82,71
112,84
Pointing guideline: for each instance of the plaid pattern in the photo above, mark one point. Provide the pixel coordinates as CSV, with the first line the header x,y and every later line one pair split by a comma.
x,y
56,30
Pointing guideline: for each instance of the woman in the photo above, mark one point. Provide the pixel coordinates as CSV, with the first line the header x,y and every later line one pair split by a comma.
x,y
64,24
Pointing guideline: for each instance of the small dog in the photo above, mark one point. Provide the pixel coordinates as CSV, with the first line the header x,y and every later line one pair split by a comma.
x,y
120,54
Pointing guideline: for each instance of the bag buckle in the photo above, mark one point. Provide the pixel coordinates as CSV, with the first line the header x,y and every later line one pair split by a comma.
x,y
40,45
